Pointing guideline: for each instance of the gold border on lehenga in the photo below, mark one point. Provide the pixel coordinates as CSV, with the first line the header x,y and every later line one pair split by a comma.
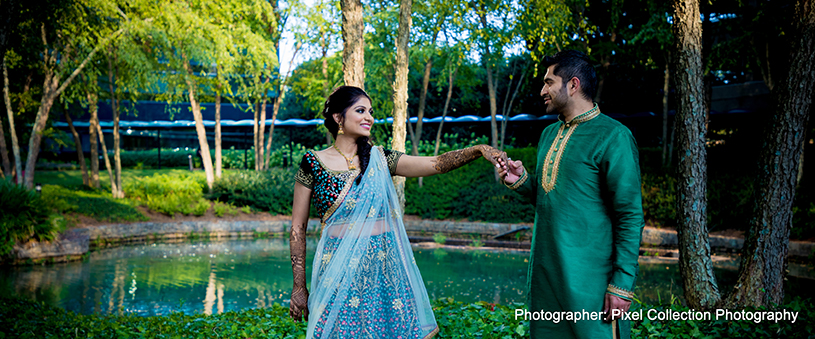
x,y
548,182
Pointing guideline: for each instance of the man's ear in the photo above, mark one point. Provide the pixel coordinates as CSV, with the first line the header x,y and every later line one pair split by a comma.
x,y
573,86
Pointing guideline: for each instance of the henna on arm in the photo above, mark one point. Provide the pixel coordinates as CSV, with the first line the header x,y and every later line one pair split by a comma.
x,y
299,294
454,159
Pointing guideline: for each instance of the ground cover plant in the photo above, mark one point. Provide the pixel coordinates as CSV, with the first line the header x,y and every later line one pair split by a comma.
x,y
26,319
26,216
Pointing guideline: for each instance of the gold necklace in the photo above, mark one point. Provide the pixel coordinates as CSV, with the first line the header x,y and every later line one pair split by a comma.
x,y
349,160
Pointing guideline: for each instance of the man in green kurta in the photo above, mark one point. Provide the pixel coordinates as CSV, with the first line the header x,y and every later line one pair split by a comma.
x,y
588,208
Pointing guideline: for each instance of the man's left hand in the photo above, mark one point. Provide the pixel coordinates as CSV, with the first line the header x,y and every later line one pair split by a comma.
x,y
613,302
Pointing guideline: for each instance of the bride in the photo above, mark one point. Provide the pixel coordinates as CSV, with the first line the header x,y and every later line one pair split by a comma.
x,y
365,282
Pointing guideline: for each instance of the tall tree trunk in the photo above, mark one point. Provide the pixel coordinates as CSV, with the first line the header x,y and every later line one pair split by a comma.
x,y
281,94
113,189
218,149
493,105
199,126
701,291
92,131
353,52
256,129
79,154
417,136
3,149
400,91
113,75
450,80
15,145
508,106
262,131
764,258
665,88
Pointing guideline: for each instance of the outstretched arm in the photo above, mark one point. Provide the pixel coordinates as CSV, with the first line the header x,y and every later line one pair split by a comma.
x,y
297,243
413,166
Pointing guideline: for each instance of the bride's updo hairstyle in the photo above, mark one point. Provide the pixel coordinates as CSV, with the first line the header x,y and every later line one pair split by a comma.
x,y
338,102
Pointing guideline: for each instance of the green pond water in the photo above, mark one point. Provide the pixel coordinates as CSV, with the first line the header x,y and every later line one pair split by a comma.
x,y
214,277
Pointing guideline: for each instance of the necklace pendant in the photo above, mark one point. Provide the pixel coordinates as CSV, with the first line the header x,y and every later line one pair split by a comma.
x,y
351,167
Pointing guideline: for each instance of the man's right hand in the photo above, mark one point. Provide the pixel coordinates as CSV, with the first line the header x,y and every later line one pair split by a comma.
x,y
299,304
511,170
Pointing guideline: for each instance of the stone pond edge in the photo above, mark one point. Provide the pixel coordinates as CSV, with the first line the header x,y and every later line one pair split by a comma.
x,y
75,243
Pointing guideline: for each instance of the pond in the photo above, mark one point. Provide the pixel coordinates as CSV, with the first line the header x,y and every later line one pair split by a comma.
x,y
214,277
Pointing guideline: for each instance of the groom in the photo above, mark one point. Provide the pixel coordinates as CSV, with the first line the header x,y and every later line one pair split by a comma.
x,y
588,208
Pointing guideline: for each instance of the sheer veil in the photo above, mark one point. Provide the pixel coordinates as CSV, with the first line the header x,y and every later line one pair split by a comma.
x,y
364,265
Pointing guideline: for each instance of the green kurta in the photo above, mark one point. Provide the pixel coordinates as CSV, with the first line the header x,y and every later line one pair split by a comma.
x,y
588,222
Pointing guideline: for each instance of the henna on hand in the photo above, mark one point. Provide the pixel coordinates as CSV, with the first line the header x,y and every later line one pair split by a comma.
x,y
454,159
299,294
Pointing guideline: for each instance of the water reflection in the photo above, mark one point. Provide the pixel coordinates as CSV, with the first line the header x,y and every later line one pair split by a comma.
x,y
215,277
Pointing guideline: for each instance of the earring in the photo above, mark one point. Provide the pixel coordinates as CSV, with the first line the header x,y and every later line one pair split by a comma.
x,y
340,132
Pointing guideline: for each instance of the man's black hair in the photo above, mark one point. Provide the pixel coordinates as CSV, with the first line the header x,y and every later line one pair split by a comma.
x,y
570,64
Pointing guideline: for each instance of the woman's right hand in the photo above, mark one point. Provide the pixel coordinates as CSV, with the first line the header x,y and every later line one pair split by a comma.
x,y
299,304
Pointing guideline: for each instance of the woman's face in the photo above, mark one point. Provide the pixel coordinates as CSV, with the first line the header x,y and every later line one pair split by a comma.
x,y
358,119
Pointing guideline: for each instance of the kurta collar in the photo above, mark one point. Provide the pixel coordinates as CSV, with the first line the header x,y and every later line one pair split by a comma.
x,y
588,115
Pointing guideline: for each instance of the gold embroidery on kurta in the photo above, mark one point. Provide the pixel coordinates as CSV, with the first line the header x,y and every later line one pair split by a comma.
x,y
550,164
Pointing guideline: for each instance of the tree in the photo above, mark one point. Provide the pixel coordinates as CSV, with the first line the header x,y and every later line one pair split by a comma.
x,y
701,290
353,52
73,45
762,271
400,90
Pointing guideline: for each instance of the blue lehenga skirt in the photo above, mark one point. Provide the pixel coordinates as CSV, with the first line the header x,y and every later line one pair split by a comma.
x,y
380,304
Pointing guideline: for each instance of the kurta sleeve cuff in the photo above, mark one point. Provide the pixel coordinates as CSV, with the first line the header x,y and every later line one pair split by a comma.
x,y
625,294
519,182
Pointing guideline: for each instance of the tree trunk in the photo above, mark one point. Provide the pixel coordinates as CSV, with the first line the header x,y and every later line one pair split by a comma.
x,y
275,109
701,291
417,136
764,258
3,148
400,91
79,154
353,52
218,159
15,144
113,74
450,80
665,88
94,143
493,103
508,107
262,130
113,188
256,137
199,127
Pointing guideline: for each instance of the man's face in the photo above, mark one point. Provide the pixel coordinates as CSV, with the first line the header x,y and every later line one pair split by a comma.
x,y
553,93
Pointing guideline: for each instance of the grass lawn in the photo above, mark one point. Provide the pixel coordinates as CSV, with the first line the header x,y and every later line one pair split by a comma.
x,y
73,178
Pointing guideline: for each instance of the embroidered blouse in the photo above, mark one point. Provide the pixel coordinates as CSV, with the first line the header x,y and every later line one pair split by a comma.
x,y
326,184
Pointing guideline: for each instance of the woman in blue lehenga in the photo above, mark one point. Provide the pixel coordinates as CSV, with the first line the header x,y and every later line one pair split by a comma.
x,y
365,283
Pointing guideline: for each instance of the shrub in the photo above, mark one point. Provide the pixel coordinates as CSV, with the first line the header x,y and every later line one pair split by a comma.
x,y
169,194
25,216
270,191
659,199
470,192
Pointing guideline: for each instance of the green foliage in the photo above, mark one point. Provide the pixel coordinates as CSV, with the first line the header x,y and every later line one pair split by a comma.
x,y
270,191
478,320
25,216
221,208
721,328
169,194
144,159
96,204
439,238
659,199
470,192
24,319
